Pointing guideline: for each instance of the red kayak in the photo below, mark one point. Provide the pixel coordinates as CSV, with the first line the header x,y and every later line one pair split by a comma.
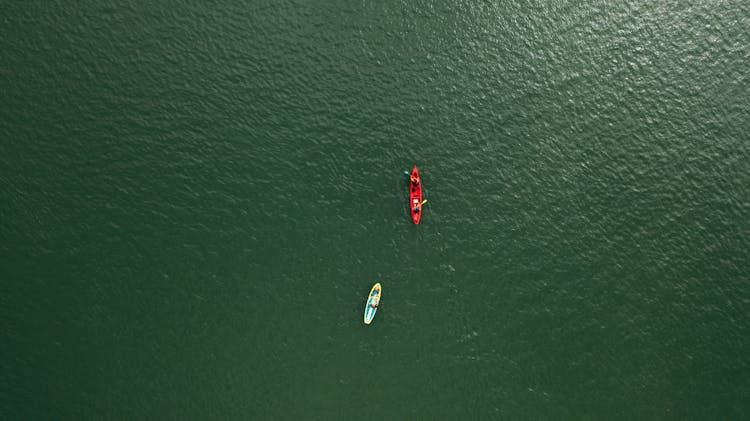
x,y
415,195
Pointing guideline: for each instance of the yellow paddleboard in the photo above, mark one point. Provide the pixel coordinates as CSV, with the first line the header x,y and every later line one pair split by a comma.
x,y
372,303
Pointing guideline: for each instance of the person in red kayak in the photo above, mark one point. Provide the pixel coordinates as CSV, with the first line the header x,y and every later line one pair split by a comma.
x,y
418,206
414,180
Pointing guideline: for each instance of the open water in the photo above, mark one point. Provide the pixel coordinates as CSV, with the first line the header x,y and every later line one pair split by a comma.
x,y
196,197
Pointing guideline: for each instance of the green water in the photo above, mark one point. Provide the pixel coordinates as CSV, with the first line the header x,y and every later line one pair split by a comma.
x,y
196,197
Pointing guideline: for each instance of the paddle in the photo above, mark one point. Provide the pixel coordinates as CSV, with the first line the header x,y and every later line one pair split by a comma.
x,y
407,173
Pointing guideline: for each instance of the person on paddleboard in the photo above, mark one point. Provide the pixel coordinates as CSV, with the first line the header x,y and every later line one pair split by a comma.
x,y
375,300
